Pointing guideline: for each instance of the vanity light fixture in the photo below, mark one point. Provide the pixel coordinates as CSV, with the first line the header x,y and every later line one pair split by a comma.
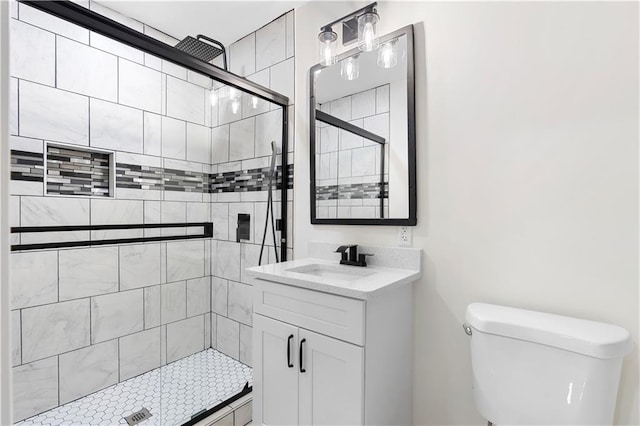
x,y
327,38
388,54
357,26
350,68
234,97
253,102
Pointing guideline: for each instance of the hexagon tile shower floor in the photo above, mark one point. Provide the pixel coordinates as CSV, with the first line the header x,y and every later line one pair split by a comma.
x,y
172,393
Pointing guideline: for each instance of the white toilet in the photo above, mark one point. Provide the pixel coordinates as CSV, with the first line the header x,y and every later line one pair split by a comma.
x,y
534,368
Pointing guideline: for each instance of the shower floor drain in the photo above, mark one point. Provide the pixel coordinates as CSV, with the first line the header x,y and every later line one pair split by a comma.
x,y
137,417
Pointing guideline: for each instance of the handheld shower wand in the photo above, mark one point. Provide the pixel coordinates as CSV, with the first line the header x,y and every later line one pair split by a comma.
x,y
271,176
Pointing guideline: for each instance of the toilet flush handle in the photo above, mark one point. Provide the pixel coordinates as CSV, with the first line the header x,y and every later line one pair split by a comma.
x,y
467,329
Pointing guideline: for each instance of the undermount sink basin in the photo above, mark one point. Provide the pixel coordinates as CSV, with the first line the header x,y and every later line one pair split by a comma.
x,y
336,272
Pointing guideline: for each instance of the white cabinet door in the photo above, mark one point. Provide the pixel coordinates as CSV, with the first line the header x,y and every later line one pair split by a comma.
x,y
275,375
331,380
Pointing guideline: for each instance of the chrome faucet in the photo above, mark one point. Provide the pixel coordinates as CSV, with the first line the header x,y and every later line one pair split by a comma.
x,y
352,257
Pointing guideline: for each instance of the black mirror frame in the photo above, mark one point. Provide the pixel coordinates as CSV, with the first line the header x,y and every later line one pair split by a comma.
x,y
411,143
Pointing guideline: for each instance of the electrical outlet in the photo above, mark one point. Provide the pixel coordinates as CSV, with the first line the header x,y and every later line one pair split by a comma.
x,y
404,236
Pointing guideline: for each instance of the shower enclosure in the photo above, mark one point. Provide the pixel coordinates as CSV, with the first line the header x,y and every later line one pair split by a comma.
x,y
139,187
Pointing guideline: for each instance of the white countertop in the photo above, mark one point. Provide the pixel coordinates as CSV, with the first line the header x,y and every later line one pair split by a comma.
x,y
377,279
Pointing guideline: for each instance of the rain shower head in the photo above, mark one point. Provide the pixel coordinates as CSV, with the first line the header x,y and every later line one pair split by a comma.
x,y
203,50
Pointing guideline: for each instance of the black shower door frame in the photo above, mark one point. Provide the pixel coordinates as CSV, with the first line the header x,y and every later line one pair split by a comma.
x,y
100,24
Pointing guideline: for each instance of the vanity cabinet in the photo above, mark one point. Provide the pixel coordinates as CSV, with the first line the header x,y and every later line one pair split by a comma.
x,y
326,359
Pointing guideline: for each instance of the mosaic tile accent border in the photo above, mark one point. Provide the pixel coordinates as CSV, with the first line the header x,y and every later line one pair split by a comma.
x,y
172,393
356,191
27,166
77,171
74,178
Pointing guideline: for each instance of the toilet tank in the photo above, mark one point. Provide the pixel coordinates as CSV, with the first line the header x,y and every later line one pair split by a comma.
x,y
534,368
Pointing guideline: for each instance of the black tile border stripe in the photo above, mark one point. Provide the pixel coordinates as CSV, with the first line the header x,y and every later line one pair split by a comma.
x,y
207,233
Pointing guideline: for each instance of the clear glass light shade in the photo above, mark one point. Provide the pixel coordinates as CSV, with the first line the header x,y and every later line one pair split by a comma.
x,y
253,102
327,39
388,55
350,68
213,97
367,37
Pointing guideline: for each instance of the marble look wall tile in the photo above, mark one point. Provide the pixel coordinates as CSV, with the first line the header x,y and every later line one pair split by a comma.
x,y
173,297
290,41
139,266
185,100
16,344
173,212
32,53
363,104
246,345
219,292
139,353
271,43
87,370
329,138
49,211
35,388
220,219
52,114
249,257
201,80
85,70
110,45
152,309
207,330
53,329
214,330
344,163
115,315
228,260
228,337
240,302
185,260
198,212
220,144
185,338
229,105
152,137
34,278
341,108
198,296
382,99
88,272
13,107
163,345
110,211
242,56
174,70
268,129
363,161
139,86
282,78
198,143
378,124
51,23
350,140
116,127
163,262
241,139
174,138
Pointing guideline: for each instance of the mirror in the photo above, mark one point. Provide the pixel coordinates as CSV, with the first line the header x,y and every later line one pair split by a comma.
x,y
362,133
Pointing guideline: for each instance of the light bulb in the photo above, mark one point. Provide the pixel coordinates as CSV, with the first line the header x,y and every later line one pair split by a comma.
x,y
254,102
387,55
327,40
213,97
367,37
235,106
350,68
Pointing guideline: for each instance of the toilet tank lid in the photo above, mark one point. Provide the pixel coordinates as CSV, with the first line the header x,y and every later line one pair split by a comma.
x,y
591,338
